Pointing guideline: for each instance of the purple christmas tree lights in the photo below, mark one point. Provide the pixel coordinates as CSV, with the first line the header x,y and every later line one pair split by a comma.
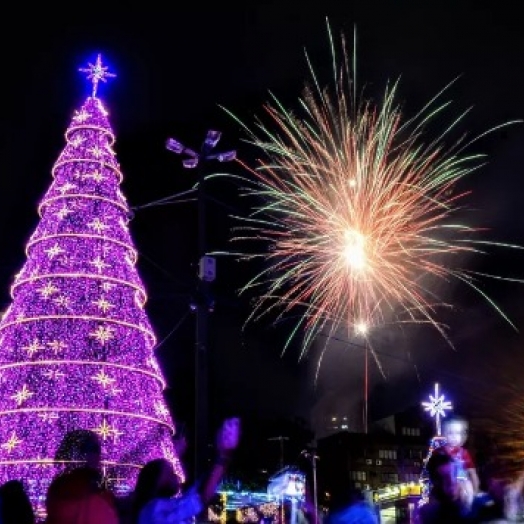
x,y
76,345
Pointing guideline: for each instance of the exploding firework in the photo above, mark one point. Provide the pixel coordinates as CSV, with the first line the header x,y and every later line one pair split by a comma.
x,y
357,214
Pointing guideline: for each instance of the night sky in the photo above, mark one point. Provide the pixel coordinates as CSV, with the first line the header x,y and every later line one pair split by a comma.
x,y
176,65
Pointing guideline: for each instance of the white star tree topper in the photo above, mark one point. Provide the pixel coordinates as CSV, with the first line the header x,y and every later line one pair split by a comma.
x,y
97,72
437,406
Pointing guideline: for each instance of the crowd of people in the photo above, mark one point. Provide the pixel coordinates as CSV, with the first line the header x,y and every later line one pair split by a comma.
x,y
499,499
79,495
458,494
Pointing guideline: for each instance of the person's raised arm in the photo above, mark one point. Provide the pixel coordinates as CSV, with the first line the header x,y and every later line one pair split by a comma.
x,y
227,441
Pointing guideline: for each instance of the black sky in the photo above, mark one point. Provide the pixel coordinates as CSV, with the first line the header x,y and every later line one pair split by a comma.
x,y
175,66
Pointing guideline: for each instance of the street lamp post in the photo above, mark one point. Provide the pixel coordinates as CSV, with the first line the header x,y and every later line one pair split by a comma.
x,y
204,302
361,330
311,455
366,388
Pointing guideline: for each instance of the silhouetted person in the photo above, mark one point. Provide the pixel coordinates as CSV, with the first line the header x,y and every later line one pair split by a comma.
x,y
448,503
155,480
501,499
349,506
455,430
130,505
78,495
157,484
15,507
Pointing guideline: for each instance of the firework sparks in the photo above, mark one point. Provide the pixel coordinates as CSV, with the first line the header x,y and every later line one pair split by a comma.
x,y
358,214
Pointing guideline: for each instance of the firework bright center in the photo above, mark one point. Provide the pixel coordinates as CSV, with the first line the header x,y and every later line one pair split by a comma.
x,y
354,249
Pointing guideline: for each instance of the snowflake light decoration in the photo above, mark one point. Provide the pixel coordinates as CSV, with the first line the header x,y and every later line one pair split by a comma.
x,y
96,72
437,407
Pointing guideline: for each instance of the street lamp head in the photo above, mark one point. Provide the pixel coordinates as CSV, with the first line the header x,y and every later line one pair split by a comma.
x,y
174,145
228,156
212,138
190,163
361,328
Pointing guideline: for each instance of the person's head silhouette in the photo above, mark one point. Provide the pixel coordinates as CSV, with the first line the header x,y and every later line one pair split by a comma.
x,y
80,447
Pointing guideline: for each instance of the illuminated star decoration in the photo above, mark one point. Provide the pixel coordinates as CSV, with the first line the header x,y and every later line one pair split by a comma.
x,y
437,407
96,72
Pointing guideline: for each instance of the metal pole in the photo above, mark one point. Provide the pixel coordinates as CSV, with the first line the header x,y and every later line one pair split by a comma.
x,y
311,455
202,321
315,488
366,389
203,303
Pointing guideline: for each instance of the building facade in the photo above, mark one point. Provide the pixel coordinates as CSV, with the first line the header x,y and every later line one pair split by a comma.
x,y
385,463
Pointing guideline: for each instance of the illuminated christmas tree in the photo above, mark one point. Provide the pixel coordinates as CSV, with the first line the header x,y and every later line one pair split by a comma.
x,y
76,346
